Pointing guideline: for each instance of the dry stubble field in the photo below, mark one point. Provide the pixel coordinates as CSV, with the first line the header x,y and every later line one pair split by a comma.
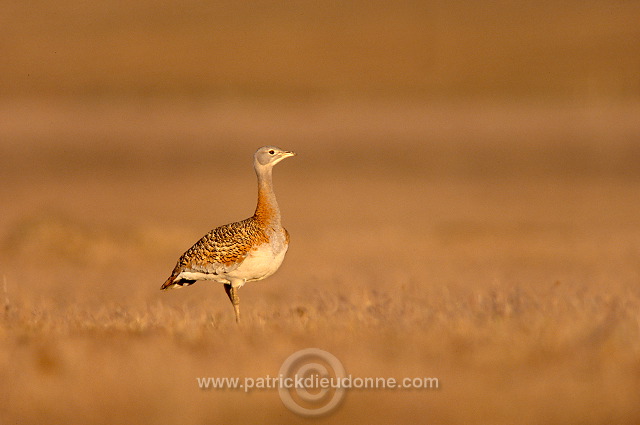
x,y
495,247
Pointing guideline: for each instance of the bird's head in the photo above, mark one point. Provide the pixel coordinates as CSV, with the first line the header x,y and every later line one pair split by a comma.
x,y
268,156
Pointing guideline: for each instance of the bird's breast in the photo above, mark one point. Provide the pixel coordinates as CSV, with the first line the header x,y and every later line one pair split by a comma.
x,y
261,262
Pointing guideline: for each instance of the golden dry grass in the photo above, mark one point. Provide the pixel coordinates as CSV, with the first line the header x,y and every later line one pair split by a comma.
x,y
492,246
464,205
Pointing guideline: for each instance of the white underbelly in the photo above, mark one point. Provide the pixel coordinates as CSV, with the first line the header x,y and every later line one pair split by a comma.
x,y
259,264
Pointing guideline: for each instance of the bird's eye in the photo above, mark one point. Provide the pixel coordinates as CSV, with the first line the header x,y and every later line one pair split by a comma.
x,y
271,152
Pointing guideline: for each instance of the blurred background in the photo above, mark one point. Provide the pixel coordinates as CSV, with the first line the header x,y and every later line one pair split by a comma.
x,y
432,50
464,204
123,85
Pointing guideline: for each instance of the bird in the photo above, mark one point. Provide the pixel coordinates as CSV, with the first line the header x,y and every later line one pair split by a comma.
x,y
243,251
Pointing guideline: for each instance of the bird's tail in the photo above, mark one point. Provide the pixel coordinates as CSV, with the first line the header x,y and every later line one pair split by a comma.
x,y
172,282
168,284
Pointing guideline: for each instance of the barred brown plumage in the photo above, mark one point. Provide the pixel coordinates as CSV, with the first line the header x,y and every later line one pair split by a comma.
x,y
244,251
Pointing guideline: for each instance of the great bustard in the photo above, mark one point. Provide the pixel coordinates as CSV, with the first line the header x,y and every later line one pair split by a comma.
x,y
244,251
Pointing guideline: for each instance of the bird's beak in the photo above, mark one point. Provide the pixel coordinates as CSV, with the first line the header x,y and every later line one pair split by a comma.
x,y
287,154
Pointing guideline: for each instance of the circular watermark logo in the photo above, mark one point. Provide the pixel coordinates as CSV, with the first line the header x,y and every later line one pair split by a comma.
x,y
309,376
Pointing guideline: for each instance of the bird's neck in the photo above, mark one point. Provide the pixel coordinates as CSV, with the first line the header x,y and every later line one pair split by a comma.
x,y
267,210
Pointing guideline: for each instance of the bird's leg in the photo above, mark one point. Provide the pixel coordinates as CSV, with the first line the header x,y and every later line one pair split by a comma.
x,y
232,293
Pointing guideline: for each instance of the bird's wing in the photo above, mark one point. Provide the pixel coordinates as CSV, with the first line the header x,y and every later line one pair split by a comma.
x,y
220,251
